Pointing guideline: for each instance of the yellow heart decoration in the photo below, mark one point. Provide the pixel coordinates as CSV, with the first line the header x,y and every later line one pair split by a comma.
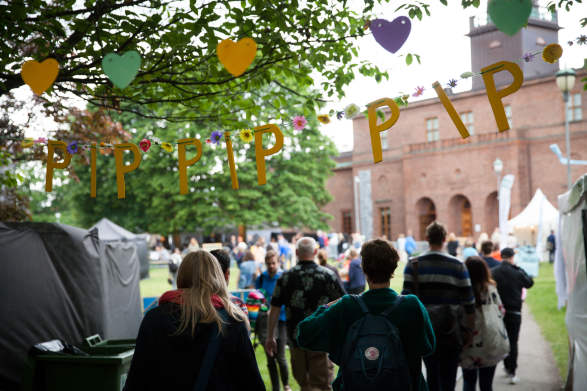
x,y
237,56
40,75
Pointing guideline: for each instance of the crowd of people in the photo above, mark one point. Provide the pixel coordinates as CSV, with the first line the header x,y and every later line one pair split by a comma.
x,y
451,312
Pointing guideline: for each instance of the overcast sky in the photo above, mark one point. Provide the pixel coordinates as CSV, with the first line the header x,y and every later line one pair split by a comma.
x,y
445,53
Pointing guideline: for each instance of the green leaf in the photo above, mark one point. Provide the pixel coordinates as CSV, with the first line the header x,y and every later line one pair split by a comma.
x,y
409,59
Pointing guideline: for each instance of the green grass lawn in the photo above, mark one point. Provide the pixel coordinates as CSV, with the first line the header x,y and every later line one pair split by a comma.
x,y
542,301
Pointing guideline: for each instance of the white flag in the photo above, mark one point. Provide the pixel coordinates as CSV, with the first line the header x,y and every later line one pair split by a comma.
x,y
505,197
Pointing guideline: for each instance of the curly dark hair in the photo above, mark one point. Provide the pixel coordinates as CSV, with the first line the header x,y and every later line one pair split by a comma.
x,y
379,260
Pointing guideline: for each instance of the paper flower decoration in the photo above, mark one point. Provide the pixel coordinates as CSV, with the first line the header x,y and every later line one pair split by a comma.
x,y
528,56
145,145
452,83
339,114
246,135
582,40
299,122
26,143
552,53
208,141
168,147
351,110
72,147
216,136
40,140
324,118
419,91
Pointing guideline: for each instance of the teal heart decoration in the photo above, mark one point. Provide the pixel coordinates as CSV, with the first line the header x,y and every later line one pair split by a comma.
x,y
121,70
510,16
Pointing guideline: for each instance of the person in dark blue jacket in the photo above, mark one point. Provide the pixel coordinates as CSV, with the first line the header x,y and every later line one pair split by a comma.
x,y
510,280
356,277
266,282
486,250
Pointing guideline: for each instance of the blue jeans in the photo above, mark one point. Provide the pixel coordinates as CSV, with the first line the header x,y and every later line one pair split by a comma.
x,y
485,378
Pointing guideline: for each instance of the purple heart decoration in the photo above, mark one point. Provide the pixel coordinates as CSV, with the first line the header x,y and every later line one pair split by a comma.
x,y
391,35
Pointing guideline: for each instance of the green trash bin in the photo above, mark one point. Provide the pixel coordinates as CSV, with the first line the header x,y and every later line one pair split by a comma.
x,y
95,345
105,369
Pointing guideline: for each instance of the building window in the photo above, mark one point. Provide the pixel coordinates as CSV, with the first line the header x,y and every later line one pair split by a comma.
x,y
508,115
494,44
385,214
347,222
468,121
432,132
383,137
574,111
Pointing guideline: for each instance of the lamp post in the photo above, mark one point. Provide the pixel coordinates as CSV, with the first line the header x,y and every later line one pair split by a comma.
x,y
565,80
498,169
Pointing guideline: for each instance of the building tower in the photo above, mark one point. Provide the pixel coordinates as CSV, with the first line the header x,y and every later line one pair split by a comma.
x,y
489,45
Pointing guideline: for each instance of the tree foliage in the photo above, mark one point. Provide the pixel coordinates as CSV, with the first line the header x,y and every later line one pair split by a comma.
x,y
292,197
178,49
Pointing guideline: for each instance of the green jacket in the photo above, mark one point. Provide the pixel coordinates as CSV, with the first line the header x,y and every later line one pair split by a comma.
x,y
326,329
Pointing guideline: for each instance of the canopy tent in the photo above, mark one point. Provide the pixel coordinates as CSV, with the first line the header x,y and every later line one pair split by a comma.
x,y
539,215
109,231
62,282
571,276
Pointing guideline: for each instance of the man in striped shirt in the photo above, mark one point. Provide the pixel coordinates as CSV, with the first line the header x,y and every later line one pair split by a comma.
x,y
442,283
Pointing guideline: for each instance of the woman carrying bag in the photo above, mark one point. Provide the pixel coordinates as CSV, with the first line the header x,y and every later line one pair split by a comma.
x,y
195,337
490,341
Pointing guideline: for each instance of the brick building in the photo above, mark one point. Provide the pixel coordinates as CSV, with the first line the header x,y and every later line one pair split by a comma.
x,y
428,172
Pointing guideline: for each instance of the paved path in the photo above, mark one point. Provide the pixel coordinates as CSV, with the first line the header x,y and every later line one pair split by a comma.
x,y
536,366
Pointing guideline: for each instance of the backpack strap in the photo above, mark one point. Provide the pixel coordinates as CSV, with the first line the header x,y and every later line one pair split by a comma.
x,y
361,303
396,303
210,356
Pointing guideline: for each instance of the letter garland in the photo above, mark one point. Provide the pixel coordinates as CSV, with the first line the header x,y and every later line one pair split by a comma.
x,y
550,53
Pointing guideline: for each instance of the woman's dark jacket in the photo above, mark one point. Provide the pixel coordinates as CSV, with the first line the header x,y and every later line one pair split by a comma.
x,y
164,361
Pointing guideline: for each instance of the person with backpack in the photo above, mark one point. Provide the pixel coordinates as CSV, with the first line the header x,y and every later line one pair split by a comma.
x,y
442,283
195,337
378,338
266,283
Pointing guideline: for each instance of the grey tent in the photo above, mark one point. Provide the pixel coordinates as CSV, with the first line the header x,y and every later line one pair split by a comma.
x,y
62,282
111,232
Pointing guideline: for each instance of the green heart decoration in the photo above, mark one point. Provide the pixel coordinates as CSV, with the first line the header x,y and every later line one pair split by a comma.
x,y
121,70
510,16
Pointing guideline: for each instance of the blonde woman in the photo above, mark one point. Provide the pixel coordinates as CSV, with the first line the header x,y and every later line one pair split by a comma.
x,y
195,336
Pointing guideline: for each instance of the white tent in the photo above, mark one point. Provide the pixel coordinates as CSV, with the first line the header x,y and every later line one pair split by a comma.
x,y
539,214
571,277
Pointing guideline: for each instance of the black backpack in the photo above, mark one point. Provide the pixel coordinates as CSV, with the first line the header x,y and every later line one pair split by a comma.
x,y
373,354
